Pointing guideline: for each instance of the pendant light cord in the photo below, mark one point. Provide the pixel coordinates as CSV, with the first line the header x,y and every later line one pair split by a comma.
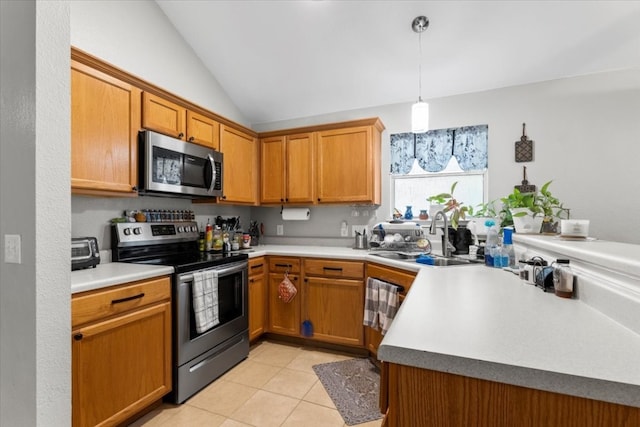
x,y
420,68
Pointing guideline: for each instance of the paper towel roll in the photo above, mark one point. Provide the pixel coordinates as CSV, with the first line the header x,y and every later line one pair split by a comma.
x,y
295,214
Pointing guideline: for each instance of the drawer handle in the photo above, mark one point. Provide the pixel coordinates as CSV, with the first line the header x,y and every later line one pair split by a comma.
x,y
284,265
256,266
332,268
118,301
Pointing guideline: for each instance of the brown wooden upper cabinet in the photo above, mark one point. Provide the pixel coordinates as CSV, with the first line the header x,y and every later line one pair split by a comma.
x,y
348,164
105,119
169,118
288,169
240,176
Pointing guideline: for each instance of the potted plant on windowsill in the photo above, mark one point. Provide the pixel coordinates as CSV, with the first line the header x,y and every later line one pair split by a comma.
x,y
459,236
455,209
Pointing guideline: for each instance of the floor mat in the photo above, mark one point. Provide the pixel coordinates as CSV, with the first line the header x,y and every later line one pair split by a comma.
x,y
354,387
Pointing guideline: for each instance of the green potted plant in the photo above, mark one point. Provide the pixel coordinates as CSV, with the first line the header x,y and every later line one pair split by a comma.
x,y
456,209
527,211
553,210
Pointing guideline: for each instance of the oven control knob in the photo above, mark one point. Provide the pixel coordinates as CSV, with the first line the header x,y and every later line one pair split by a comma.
x,y
180,229
137,230
127,231
193,229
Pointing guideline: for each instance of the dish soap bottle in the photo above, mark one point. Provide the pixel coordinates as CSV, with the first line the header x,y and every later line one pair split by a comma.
x,y
507,247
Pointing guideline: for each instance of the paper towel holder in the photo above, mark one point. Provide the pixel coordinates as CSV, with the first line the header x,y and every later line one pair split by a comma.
x,y
293,214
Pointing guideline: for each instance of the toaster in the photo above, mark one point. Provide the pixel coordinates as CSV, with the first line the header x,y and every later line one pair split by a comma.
x,y
84,253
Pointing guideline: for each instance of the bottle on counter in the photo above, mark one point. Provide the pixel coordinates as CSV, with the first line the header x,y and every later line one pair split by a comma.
x,y
507,246
217,238
563,278
491,243
209,236
202,245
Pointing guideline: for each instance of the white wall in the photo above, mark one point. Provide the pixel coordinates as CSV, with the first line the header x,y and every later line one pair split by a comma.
x,y
586,134
35,355
137,37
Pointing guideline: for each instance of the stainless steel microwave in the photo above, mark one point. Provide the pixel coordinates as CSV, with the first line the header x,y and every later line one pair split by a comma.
x,y
172,167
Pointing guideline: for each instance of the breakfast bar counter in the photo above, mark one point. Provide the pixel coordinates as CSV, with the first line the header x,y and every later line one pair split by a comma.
x,y
486,323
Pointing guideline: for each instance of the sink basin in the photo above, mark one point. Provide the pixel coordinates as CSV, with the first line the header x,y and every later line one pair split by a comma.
x,y
437,261
397,255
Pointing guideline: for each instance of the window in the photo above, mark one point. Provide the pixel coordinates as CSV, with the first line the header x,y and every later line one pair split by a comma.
x,y
426,164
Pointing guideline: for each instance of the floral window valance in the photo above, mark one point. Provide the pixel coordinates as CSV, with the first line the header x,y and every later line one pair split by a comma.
x,y
433,149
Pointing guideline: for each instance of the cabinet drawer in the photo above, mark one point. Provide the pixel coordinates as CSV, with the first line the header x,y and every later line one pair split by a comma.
x,y
333,268
397,277
256,266
282,264
94,305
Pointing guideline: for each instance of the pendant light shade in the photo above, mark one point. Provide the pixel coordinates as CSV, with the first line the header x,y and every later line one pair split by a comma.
x,y
420,117
420,110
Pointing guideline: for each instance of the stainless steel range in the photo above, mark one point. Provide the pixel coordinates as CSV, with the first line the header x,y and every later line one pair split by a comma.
x,y
209,299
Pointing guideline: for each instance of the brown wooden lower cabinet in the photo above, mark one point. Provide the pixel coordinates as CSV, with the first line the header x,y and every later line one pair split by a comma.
x,y
257,297
121,351
420,397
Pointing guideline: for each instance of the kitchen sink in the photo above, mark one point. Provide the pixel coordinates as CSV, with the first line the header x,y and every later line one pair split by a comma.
x,y
437,260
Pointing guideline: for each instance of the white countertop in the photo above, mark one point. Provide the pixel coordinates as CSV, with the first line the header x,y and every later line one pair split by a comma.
x,y
113,273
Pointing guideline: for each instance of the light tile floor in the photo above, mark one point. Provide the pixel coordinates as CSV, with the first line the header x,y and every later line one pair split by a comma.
x,y
274,386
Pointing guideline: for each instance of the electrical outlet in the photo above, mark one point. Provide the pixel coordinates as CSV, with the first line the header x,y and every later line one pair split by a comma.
x,y
358,228
280,230
12,249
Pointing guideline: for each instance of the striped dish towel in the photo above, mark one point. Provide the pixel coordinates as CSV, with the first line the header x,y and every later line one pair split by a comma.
x,y
380,304
205,300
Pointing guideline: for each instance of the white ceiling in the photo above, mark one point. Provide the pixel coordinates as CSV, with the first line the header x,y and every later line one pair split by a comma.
x,y
280,60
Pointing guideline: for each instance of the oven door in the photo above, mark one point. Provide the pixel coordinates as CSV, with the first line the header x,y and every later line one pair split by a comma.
x,y
232,312
169,165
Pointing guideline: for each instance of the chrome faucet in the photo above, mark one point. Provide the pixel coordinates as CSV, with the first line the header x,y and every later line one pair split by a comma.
x,y
447,247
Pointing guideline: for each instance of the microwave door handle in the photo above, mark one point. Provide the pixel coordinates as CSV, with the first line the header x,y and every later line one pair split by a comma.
x,y
213,173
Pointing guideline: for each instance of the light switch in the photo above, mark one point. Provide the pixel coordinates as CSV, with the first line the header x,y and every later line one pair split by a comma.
x,y
12,249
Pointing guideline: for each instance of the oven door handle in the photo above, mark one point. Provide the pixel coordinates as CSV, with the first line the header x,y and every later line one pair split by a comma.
x,y
224,271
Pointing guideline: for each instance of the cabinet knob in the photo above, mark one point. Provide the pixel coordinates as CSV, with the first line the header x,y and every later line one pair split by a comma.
x,y
180,135
286,200
78,337
318,198
191,139
134,188
282,200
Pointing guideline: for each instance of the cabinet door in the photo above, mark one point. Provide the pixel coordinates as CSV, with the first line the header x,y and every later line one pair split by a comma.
x,y
121,365
284,318
240,177
257,298
348,165
335,308
300,169
203,130
163,116
273,173
105,119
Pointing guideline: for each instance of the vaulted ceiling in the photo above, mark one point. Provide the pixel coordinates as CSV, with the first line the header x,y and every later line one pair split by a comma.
x,y
280,60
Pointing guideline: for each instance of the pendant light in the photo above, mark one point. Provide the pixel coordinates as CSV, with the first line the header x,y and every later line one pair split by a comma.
x,y
420,110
